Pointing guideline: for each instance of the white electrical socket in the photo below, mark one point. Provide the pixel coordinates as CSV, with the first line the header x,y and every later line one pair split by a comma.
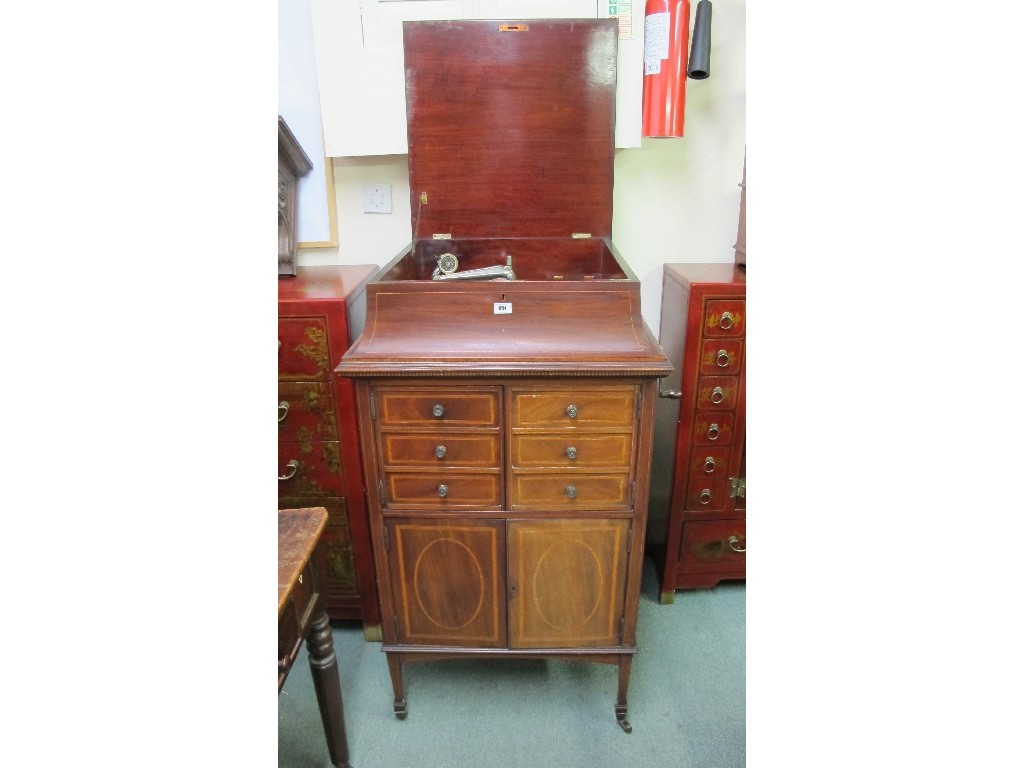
x,y
376,198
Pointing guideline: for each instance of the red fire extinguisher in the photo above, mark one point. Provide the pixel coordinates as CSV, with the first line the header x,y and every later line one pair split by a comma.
x,y
666,30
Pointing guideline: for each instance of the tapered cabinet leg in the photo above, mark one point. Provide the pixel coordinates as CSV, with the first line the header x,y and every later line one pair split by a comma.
x,y
323,665
625,667
395,665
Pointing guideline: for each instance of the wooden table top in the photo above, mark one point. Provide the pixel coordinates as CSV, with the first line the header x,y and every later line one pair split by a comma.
x,y
298,531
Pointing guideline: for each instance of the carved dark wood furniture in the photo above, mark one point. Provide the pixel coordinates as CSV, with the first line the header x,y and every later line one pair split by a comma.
x,y
703,330
506,424
292,165
301,579
319,311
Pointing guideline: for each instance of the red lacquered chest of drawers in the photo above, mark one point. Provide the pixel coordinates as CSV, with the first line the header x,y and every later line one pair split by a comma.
x,y
320,310
703,331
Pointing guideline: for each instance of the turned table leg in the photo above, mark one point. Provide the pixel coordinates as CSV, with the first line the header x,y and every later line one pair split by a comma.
x,y
324,667
625,666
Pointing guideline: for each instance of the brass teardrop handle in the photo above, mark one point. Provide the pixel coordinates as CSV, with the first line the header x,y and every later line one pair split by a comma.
x,y
733,541
293,465
571,452
438,410
570,491
705,496
440,451
722,355
725,322
717,395
571,411
713,429
709,464
442,490
282,411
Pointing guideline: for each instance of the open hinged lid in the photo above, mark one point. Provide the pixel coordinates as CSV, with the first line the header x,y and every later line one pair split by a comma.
x,y
511,127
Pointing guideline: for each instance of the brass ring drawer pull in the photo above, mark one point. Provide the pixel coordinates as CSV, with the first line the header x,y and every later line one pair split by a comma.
x,y
571,452
282,411
293,465
571,411
442,490
720,357
709,464
733,542
717,395
570,491
725,322
713,432
440,451
438,410
705,496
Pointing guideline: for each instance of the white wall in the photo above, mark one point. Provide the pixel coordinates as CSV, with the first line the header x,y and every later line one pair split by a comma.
x,y
675,200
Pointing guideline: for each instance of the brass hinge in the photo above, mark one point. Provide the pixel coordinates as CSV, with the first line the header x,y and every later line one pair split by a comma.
x,y
387,540
380,491
373,406
629,535
423,198
632,494
443,236
738,487
580,235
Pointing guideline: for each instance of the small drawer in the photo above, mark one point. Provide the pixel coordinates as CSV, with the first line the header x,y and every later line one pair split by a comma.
x,y
576,450
441,490
304,595
573,408
713,428
305,411
725,318
717,392
309,469
570,491
717,546
437,408
302,352
721,356
709,461
706,494
444,449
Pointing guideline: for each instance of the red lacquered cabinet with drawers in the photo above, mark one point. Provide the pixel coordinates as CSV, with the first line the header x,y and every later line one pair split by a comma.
x,y
703,331
319,311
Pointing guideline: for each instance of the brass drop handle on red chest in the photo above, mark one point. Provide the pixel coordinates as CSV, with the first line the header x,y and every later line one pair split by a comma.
x,y
713,432
570,491
571,411
733,544
709,464
722,359
282,411
725,322
440,451
717,395
438,410
705,496
442,490
293,465
571,452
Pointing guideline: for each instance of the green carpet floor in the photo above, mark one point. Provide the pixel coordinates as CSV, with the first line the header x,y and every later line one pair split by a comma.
x,y
686,700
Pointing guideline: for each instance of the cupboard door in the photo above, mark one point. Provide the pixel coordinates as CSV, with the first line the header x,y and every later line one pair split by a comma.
x,y
566,582
448,579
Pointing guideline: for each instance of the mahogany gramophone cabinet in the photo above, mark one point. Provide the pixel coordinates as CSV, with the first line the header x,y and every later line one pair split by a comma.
x,y
505,378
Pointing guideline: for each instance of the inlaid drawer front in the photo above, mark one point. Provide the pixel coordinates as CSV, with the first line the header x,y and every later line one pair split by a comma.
x,y
713,428
721,356
714,546
725,317
302,352
706,494
570,491
442,407
444,449
312,469
573,408
442,490
717,392
576,450
709,461
305,411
